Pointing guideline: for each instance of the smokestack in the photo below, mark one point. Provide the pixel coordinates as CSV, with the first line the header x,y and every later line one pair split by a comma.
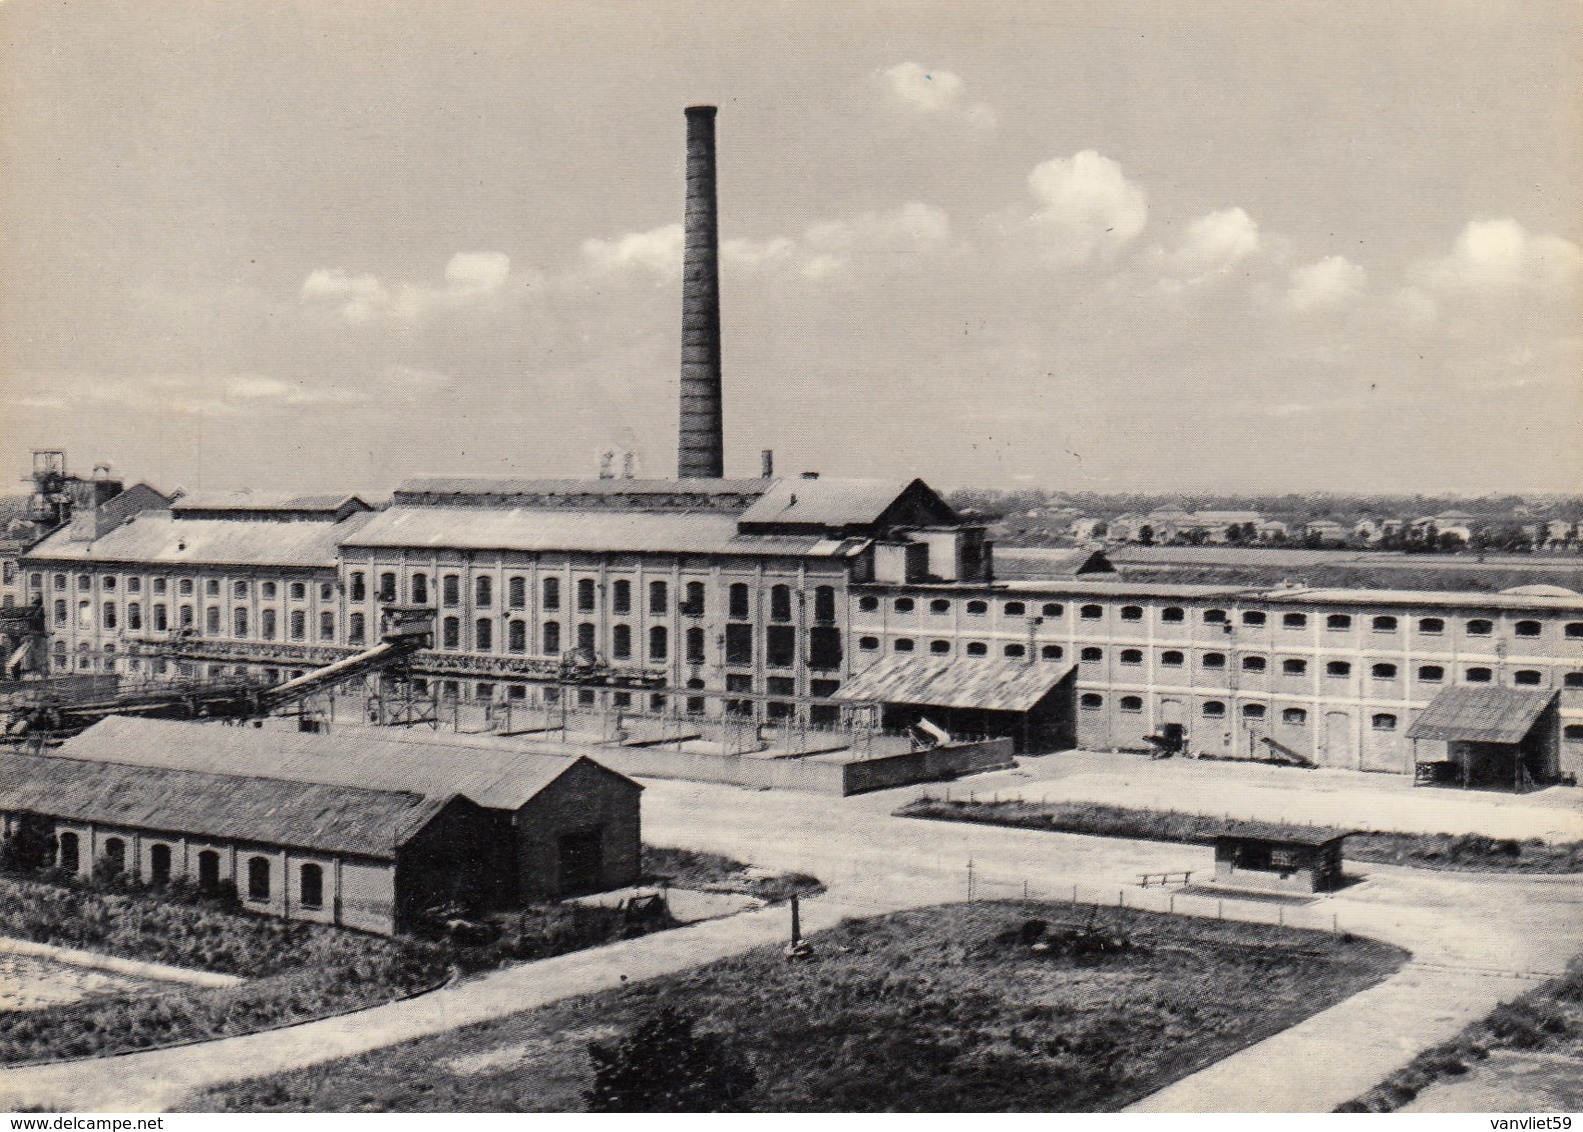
x,y
767,463
701,438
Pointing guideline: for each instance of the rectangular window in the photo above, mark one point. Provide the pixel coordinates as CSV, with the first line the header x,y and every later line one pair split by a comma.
x,y
483,591
211,621
780,646
739,644
420,589
358,587
517,592
134,616
161,619
659,597
327,625
621,596
451,591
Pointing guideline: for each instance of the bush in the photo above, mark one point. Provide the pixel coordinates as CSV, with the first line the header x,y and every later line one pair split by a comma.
x,y
662,1066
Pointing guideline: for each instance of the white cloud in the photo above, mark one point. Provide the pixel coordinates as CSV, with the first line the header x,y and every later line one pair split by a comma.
x,y
469,277
657,251
1215,242
1500,257
830,247
1088,208
933,92
758,255
1332,282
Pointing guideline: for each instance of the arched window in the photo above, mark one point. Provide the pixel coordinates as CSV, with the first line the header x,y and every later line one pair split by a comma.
x,y
1433,626
1050,609
1572,680
1573,732
1528,628
114,856
517,636
978,608
1254,664
1132,613
484,635
1173,615
1294,620
659,597
1214,617
1431,673
1294,667
1338,668
621,642
1385,624
939,648
977,648
552,638
1091,701
1171,658
551,593
483,591
419,587
824,603
1338,621
586,591
258,878
110,619
1214,660
939,605
356,629
1015,651
1091,612
1131,656
621,596
1383,721
903,644
239,623
1050,652
1478,627
903,605
1253,711
516,591
868,644
585,637
310,888
266,624
866,604
451,590
68,854
1294,717
1253,617
1091,655
659,642
1574,629
695,645
1015,609
1479,675
740,609
1214,709
387,586
1527,676
1131,703
1383,672
780,603
208,870
159,864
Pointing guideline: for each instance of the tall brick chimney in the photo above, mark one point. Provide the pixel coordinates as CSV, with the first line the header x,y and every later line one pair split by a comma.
x,y
700,446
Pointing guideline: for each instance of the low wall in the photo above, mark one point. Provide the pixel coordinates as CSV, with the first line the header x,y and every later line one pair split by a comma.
x,y
820,774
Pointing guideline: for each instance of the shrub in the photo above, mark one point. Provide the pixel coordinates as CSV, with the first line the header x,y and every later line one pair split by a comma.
x,y
663,1066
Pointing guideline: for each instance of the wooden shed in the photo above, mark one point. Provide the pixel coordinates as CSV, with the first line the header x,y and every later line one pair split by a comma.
x,y
1278,858
1502,738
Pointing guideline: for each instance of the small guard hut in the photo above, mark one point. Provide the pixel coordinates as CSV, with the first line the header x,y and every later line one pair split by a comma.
x,y
1488,737
1278,858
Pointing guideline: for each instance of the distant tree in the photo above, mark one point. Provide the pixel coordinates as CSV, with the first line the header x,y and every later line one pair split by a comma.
x,y
1450,541
1146,535
662,1066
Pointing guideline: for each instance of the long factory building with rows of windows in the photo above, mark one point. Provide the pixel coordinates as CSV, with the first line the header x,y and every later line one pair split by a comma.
x,y
811,601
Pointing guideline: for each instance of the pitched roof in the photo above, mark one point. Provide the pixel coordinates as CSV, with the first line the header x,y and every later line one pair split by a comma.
x,y
547,529
155,537
492,777
248,500
1280,831
303,815
1481,715
991,685
826,502
475,485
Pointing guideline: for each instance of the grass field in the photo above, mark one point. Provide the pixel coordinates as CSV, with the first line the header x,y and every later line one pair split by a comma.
x,y
1468,852
938,1009
711,872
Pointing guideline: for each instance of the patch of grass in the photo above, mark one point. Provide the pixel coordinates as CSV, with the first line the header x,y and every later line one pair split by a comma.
x,y
295,971
1009,1006
1465,851
712,872
1547,1017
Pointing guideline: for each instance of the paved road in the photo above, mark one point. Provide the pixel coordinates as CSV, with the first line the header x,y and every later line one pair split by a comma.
x,y
875,863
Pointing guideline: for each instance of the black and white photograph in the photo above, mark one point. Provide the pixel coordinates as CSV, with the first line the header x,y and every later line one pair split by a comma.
x,y
706,556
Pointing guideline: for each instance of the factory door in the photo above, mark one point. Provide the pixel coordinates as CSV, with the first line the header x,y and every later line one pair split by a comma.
x,y
208,870
1338,748
582,862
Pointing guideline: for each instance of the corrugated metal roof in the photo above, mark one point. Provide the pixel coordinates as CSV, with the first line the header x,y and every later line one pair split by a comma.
x,y
1481,715
492,777
303,815
1280,831
155,537
826,502
547,529
474,485
991,685
248,500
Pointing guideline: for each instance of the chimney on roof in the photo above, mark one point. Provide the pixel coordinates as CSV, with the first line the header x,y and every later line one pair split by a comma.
x,y
767,461
700,439
810,475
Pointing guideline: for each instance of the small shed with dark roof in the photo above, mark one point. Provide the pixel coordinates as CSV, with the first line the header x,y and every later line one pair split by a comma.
x,y
1276,857
1488,737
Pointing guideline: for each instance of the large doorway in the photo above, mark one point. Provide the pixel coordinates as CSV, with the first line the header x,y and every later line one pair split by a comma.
x,y
208,870
582,862
1338,750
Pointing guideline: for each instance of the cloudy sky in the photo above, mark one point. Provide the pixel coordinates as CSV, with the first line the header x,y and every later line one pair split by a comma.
x,y
1082,244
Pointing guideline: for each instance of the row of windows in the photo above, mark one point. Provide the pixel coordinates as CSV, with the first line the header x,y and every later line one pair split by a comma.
x,y
1215,709
241,620
68,855
1253,618
187,587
